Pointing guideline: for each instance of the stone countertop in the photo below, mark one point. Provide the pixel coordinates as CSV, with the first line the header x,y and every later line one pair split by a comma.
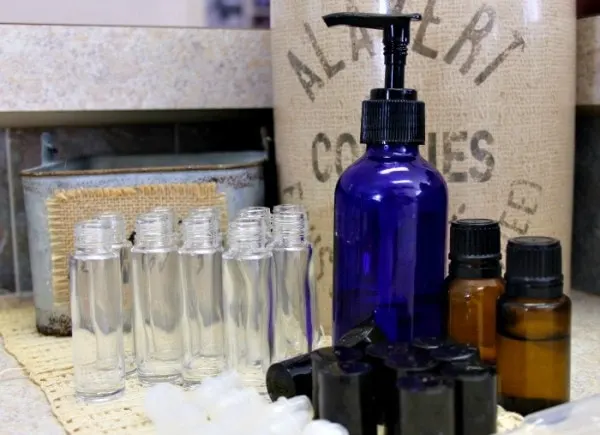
x,y
71,69
25,411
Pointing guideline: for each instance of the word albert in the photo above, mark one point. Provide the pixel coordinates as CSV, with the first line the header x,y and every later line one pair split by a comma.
x,y
481,25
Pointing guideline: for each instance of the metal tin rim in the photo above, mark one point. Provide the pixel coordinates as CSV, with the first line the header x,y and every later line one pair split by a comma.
x,y
40,171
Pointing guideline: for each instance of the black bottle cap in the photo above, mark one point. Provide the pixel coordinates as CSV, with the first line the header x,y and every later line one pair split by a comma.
x,y
455,354
410,362
428,343
289,378
392,114
325,356
384,378
346,396
376,354
475,249
475,398
362,336
396,366
534,267
426,405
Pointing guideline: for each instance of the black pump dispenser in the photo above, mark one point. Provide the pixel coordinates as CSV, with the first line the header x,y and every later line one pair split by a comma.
x,y
392,114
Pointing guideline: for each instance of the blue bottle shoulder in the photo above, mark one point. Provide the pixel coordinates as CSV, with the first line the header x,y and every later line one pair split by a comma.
x,y
389,244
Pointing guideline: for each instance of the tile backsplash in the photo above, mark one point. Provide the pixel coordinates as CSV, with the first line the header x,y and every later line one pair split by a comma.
x,y
22,149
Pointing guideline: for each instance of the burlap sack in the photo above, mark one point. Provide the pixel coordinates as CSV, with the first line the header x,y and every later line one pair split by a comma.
x,y
498,78
588,62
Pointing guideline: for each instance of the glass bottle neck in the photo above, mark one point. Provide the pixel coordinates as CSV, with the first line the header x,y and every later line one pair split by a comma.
x,y
483,269
400,150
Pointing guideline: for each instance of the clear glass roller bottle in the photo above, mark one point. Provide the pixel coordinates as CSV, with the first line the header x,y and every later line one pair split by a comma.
x,y
263,213
158,300
247,280
201,277
215,212
296,328
97,314
123,247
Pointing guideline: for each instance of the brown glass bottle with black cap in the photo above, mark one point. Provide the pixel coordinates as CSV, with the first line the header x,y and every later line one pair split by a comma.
x,y
534,328
474,284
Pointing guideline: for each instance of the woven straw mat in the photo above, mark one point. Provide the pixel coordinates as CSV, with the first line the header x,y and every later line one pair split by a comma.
x,y
67,207
48,362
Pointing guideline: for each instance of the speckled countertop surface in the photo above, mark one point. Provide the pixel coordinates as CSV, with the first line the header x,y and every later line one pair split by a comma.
x,y
83,68
25,411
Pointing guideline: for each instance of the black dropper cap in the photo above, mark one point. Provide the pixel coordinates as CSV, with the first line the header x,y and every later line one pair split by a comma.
x,y
426,405
376,355
455,354
392,114
322,358
363,335
428,344
534,268
475,249
398,366
346,397
475,398
289,378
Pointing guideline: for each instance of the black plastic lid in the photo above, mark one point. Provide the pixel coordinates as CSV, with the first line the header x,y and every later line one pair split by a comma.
x,y
392,114
476,405
455,353
428,343
362,336
475,249
289,378
426,405
411,362
325,356
346,396
534,267
379,352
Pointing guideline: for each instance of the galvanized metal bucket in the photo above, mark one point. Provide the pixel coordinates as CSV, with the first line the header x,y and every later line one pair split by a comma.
x,y
237,175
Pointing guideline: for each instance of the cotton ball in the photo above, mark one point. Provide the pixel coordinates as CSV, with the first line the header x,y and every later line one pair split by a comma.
x,y
162,402
294,404
324,427
237,404
213,388
283,424
187,420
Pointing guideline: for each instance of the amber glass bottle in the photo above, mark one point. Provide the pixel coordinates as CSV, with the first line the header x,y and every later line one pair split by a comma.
x,y
534,328
474,284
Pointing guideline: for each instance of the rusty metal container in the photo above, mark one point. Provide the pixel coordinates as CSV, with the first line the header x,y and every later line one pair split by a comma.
x,y
232,180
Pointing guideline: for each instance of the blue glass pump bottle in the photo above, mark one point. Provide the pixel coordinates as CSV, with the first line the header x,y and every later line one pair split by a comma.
x,y
391,207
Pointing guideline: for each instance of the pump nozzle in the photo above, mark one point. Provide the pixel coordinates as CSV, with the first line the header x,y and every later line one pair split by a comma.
x,y
392,114
396,37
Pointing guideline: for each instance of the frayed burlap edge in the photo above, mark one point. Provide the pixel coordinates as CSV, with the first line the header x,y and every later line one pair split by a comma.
x,y
67,207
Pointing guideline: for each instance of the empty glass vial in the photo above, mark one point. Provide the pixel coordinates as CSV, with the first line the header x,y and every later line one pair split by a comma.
x,y
287,208
200,263
247,280
97,314
123,247
158,300
169,214
215,212
534,328
474,284
263,213
294,300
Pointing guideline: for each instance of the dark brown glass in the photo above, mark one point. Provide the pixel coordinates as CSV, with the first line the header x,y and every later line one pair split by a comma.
x,y
534,353
472,314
